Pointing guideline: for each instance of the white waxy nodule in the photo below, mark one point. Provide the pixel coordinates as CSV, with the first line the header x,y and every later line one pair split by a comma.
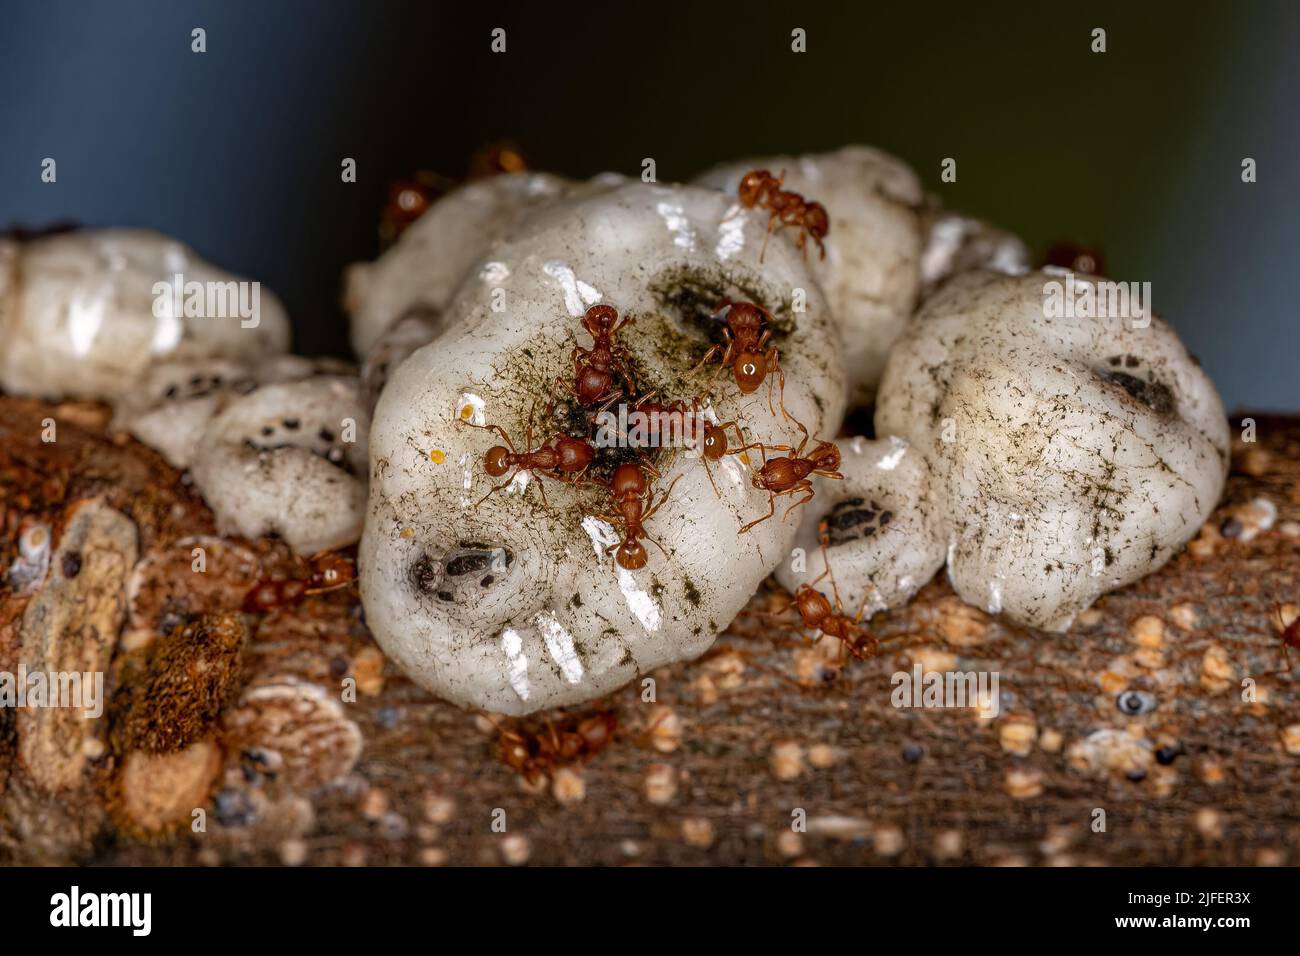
x,y
955,243
170,407
1070,455
422,271
513,606
91,300
288,459
884,533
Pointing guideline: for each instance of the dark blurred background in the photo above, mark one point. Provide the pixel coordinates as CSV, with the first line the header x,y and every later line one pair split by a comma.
x,y
237,150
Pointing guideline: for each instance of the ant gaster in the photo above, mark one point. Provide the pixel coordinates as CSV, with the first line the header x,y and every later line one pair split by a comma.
x,y
594,368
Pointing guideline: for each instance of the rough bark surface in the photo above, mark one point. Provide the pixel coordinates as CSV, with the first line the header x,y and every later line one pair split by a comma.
x,y
1139,712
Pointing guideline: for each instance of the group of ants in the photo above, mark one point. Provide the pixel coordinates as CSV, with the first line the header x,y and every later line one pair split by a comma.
x,y
602,375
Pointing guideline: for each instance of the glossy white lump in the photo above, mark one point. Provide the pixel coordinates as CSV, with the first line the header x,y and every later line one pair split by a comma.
x,y
80,316
885,534
512,606
1070,456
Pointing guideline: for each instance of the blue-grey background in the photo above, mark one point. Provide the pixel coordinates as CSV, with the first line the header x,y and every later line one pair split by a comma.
x,y
237,150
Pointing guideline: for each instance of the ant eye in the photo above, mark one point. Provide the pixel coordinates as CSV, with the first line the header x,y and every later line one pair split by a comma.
x,y
1135,702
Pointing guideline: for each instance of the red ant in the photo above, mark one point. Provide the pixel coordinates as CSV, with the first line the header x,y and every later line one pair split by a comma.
x,y
534,755
817,613
788,475
633,499
759,188
664,424
562,458
594,368
328,571
1290,636
743,341
668,423
494,159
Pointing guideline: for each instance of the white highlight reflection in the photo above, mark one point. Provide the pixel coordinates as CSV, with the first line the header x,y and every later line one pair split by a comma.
x,y
512,645
560,644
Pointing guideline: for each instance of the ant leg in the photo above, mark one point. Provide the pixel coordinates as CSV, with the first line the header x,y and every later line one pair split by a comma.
x,y
804,486
798,452
608,402
655,543
771,510
500,431
662,498
713,350
862,608
625,369
734,425
835,588
613,564
774,365
501,487
541,490
708,471
770,224
528,433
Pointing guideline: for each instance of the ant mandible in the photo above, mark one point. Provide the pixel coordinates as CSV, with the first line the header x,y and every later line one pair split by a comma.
x,y
788,475
759,188
594,368
743,341
632,495
562,458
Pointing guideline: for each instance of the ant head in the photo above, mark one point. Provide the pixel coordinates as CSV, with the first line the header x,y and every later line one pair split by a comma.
x,y
826,455
751,369
752,185
497,461
812,604
715,442
632,555
628,478
816,220
599,319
